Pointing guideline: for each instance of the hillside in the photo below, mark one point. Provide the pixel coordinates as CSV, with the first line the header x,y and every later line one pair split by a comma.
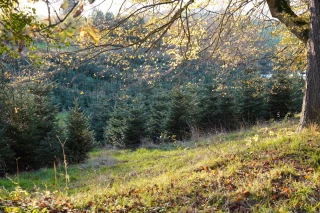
x,y
268,168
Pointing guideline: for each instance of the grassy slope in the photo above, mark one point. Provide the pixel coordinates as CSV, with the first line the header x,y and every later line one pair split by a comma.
x,y
268,168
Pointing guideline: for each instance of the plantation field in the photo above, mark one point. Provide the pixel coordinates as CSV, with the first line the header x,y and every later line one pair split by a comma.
x,y
268,168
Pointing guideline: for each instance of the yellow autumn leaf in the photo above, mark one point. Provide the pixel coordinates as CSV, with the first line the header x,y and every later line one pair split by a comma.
x,y
90,31
65,5
94,34
65,33
62,36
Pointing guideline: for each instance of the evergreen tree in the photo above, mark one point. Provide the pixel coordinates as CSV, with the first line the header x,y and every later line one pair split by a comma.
x,y
126,126
297,92
80,139
7,155
48,149
158,116
117,124
29,120
216,108
208,108
226,118
135,124
178,120
251,101
100,116
280,96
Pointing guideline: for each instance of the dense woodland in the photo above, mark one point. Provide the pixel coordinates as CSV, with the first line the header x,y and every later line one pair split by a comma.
x,y
87,105
159,106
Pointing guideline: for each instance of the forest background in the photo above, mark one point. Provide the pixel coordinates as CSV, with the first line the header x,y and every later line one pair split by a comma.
x,y
111,78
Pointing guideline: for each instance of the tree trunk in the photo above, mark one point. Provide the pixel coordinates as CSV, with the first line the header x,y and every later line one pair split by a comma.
x,y
311,102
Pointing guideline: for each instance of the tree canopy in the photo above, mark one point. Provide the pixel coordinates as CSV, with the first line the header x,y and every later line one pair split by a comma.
x,y
186,30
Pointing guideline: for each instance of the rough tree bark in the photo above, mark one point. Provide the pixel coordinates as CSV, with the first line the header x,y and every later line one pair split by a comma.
x,y
309,33
311,102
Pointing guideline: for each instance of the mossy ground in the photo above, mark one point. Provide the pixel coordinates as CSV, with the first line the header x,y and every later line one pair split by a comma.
x,y
267,168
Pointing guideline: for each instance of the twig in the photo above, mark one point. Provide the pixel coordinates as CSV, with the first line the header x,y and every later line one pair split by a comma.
x,y
65,162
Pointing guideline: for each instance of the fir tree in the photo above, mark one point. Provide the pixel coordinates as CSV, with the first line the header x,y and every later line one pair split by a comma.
x,y
158,116
117,124
80,139
7,155
100,116
30,120
251,103
48,150
177,124
135,125
126,126
280,96
208,108
296,94
226,114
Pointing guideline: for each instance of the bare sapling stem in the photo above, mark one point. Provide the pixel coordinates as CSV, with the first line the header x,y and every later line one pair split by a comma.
x,y
67,178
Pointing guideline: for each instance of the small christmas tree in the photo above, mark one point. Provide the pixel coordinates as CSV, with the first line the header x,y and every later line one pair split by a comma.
x,y
80,139
158,114
100,116
251,100
135,125
117,124
208,108
126,127
177,123
280,96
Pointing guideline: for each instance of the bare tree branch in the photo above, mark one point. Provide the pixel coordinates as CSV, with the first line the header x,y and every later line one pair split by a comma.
x,y
281,10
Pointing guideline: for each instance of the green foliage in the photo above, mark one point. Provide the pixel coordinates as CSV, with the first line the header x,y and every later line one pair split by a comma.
x,y
49,150
251,100
280,96
216,108
178,123
7,155
100,116
126,126
297,92
80,139
28,121
135,126
18,29
226,114
114,133
208,106
158,114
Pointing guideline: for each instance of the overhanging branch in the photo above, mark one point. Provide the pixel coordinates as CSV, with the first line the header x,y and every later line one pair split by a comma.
x,y
282,10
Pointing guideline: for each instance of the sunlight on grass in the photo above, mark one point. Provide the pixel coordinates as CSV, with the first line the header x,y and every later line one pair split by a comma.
x,y
267,168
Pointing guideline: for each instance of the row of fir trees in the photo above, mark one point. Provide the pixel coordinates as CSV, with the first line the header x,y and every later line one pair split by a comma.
x,y
31,131
178,113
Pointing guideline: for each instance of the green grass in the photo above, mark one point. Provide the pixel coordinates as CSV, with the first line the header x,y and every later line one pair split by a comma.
x,y
268,168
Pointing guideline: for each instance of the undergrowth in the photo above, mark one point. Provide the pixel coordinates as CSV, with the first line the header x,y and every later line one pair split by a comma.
x,y
268,168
